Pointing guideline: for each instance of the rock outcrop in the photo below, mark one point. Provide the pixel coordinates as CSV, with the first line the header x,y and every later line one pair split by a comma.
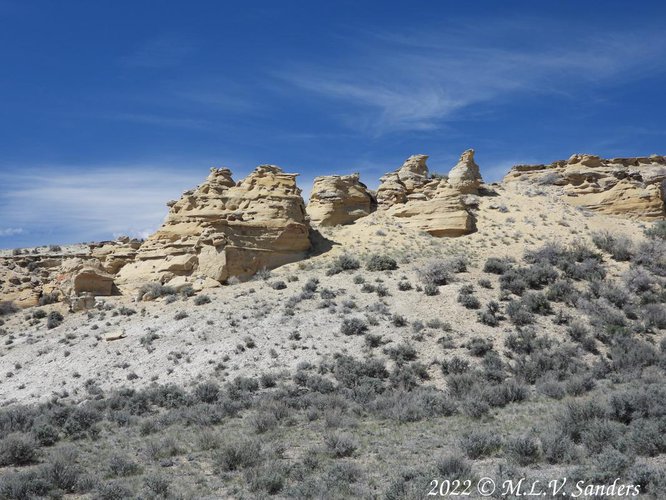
x,y
339,199
627,187
396,186
78,277
223,229
434,205
114,255
465,176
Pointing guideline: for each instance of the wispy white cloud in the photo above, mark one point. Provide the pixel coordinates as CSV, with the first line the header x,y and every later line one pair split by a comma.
x,y
158,53
11,231
96,203
387,82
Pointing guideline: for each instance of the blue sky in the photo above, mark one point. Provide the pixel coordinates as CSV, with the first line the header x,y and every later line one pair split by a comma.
x,y
110,109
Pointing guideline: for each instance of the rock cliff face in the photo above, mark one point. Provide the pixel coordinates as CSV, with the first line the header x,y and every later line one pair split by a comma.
x,y
339,199
223,229
435,205
627,187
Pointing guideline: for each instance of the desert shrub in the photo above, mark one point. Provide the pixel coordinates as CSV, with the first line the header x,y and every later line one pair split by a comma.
x,y
435,272
557,447
340,445
343,263
311,285
207,392
157,485
237,453
514,281
458,264
351,372
81,420
536,302
638,280
123,466
646,437
519,314
23,485
45,433
200,300
263,421
630,354
496,265
657,231
575,417
18,449
510,391
455,365
48,298
414,405
525,341
524,450
491,315
54,319
551,388
152,291
113,490
401,353
480,444
180,315
485,283
379,262
453,467
398,320
478,346
654,316
562,291
460,384
469,300
278,285
430,289
269,478
618,246
353,326
7,307
607,465
62,471
579,385
404,286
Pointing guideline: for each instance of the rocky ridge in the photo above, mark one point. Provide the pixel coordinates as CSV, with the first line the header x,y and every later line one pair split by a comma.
x,y
628,187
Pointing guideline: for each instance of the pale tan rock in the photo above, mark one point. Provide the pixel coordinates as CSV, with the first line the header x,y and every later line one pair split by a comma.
x,y
395,186
627,187
223,229
434,205
465,175
114,255
78,276
339,199
111,336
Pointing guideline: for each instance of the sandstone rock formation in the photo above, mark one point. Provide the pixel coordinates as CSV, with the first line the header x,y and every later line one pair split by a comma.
x,y
114,255
432,204
339,199
78,277
628,187
396,186
465,176
223,229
